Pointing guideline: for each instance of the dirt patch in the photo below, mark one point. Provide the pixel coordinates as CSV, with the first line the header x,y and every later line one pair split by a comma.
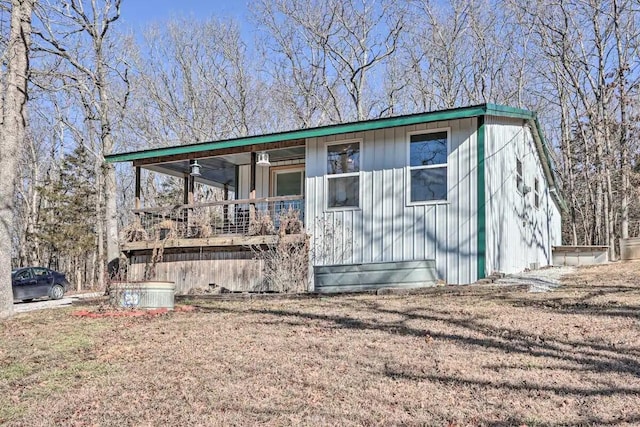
x,y
475,355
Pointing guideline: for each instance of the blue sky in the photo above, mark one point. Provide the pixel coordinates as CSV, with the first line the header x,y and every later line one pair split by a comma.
x,y
137,14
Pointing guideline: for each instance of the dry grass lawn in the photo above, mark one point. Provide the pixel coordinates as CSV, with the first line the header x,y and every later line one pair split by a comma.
x,y
475,355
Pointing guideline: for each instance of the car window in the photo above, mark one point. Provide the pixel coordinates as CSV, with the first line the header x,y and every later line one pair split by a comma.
x,y
24,274
40,271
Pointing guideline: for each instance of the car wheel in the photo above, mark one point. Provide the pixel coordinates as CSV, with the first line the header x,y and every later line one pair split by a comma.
x,y
57,292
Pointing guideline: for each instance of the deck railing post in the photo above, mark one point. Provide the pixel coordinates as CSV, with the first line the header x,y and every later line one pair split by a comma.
x,y
225,208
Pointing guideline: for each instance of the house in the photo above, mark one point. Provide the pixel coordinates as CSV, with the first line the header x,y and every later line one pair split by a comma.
x,y
452,195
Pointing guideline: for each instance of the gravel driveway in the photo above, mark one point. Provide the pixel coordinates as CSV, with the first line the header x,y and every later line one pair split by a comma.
x,y
23,307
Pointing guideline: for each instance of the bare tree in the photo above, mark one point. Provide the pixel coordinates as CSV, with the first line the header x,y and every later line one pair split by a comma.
x,y
441,60
585,48
194,83
346,41
626,34
299,69
78,32
465,52
12,132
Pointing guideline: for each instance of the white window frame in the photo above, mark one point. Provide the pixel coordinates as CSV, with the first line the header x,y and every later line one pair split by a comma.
x,y
536,193
328,176
275,170
410,168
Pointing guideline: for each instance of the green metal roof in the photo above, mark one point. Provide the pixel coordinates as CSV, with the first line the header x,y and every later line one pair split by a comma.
x,y
435,116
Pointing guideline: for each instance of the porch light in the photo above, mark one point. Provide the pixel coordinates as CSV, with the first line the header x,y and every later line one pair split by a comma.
x,y
263,159
195,168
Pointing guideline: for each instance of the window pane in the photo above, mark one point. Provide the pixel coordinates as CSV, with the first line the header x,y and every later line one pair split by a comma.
x,y
40,271
428,149
343,158
344,192
289,183
24,274
428,184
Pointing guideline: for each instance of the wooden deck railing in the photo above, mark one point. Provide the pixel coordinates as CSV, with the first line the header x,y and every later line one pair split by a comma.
x,y
225,217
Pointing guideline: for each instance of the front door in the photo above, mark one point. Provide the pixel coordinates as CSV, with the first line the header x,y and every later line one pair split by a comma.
x,y
288,181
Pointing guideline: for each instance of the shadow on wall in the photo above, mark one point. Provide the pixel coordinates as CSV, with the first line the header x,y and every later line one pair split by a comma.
x,y
386,228
532,230
512,212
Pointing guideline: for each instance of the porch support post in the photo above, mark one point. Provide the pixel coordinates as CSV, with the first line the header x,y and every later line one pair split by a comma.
x,y
252,187
190,186
138,203
185,190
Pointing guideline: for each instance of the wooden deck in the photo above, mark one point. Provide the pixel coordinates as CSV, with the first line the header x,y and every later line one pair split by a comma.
x,y
226,261
210,242
217,241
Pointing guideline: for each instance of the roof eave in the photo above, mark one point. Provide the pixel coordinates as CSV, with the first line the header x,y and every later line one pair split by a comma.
x,y
545,159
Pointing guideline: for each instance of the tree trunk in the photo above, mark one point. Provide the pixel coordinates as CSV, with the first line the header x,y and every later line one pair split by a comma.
x,y
568,160
101,262
109,172
31,237
77,266
624,125
111,214
12,131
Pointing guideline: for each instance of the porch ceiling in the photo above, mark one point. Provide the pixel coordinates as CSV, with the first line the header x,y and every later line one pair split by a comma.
x,y
215,171
219,170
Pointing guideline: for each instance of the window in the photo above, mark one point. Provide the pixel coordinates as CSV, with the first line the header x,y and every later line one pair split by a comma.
x,y
287,182
38,271
343,175
23,275
428,166
536,193
519,180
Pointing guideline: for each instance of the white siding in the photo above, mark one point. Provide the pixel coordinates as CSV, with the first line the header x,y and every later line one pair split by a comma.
x,y
386,227
244,181
556,224
518,235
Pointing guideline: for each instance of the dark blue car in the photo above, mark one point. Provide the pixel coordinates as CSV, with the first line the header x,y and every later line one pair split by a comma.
x,y
36,282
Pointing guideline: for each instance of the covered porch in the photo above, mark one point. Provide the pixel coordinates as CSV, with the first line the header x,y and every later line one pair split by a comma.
x,y
249,190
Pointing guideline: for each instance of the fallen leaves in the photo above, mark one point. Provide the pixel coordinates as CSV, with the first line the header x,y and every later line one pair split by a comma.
x,y
131,313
